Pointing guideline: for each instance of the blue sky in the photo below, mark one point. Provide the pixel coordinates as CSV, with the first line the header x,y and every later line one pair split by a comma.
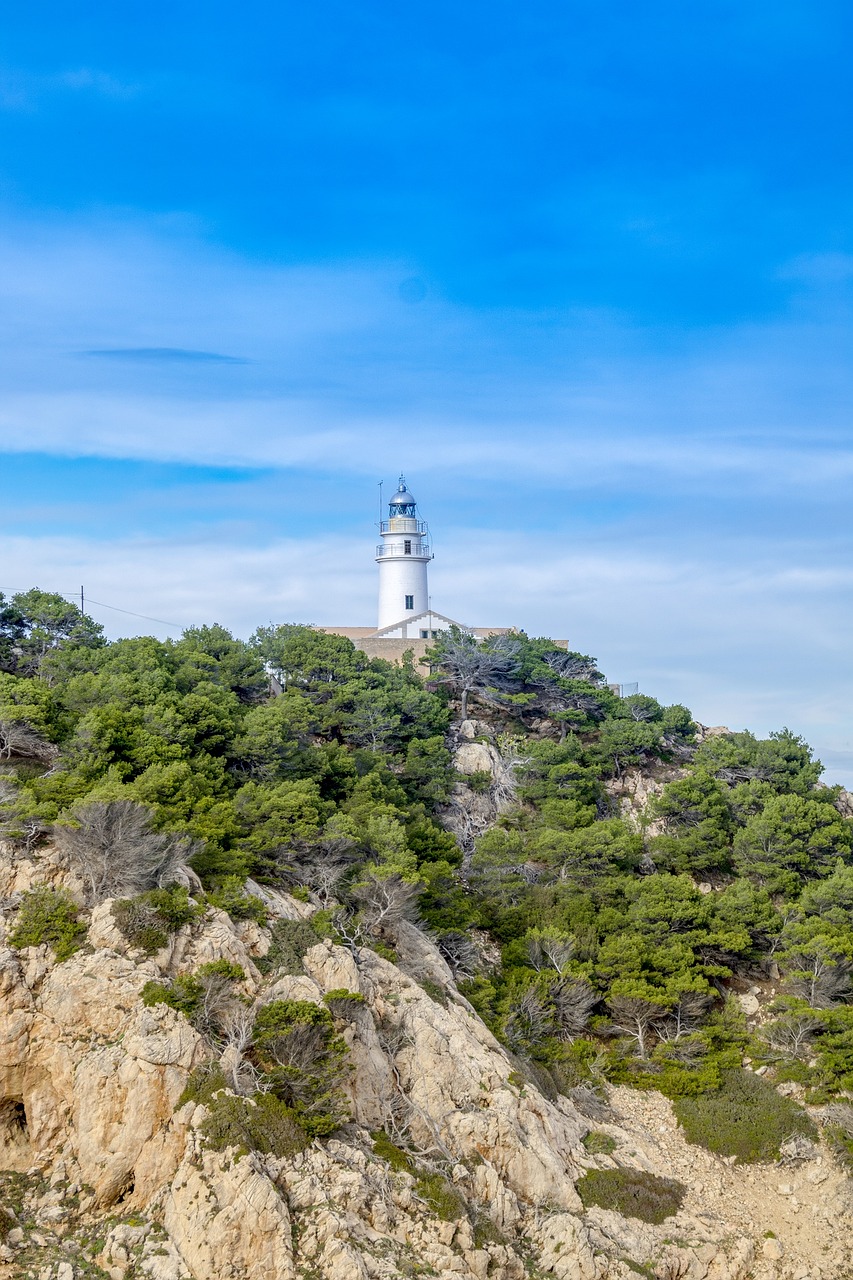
x,y
584,272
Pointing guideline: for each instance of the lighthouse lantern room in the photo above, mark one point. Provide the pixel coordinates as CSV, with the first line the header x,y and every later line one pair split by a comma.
x,y
402,556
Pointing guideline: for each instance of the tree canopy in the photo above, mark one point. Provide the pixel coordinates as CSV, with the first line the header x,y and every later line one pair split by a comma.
x,y
583,931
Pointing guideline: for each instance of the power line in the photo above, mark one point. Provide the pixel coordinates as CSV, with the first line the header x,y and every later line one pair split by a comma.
x,y
179,626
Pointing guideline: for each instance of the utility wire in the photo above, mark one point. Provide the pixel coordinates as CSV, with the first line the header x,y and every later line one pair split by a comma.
x,y
179,626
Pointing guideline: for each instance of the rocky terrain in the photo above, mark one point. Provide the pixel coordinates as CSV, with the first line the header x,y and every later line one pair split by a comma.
x,y
106,1171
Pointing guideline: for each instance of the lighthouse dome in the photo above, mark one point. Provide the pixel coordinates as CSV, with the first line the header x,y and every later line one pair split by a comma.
x,y
402,498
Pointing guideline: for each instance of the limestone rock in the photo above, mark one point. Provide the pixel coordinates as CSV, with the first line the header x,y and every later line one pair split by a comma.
x,y
227,1219
474,757
470,729
749,1003
634,788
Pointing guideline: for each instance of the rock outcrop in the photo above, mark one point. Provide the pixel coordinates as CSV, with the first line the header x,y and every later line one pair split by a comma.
x,y
106,1170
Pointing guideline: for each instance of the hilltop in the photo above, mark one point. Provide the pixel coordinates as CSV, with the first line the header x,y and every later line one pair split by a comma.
x,y
496,974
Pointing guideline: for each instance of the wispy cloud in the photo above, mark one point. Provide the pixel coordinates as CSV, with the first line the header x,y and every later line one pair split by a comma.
x,y
334,363
677,504
164,353
25,90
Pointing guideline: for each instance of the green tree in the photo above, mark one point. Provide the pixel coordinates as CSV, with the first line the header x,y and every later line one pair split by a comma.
x,y
783,760
792,839
305,1061
35,623
211,655
623,742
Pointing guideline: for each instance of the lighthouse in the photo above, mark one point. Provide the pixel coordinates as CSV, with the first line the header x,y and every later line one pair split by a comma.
x,y
402,556
407,623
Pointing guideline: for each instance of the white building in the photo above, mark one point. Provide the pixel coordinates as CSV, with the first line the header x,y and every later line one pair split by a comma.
x,y
403,557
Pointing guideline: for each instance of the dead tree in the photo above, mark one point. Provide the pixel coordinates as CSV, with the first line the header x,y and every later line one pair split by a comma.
x,y
117,853
635,1019
19,740
385,901
462,661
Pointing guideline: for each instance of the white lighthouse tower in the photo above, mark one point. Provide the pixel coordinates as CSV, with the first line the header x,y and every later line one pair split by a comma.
x,y
402,556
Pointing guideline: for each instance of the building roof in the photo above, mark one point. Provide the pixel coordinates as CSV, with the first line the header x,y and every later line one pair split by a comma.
x,y
351,633
361,633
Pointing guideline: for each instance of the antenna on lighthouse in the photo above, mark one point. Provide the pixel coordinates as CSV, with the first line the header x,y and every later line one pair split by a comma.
x,y
381,482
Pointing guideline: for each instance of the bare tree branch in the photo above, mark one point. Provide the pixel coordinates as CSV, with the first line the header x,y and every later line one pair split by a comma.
x,y
118,854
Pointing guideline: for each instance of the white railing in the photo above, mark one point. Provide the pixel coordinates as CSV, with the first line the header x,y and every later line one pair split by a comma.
x,y
386,550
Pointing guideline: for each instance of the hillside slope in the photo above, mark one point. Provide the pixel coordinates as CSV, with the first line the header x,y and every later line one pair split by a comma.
x,y
499,974
113,1171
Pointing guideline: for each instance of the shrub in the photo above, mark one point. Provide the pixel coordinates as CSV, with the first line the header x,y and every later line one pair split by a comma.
x,y
230,896
395,1156
305,1060
202,1083
342,1003
438,1194
48,916
838,1131
183,994
262,1123
441,1197
631,1192
598,1143
745,1118
434,991
116,850
147,919
205,997
289,942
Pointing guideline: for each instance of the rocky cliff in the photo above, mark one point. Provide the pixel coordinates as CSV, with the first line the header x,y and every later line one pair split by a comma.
x,y
453,1164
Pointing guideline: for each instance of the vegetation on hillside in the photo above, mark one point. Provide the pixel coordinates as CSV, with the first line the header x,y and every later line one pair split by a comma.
x,y
595,948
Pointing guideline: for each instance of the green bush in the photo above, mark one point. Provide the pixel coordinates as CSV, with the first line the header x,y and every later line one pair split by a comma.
x,y
838,1131
598,1143
290,939
343,1003
745,1118
48,916
434,991
230,896
202,1083
399,1160
306,1062
183,994
188,990
441,1197
262,1123
147,919
631,1192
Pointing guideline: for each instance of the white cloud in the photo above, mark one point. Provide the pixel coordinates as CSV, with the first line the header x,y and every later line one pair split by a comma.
x,y
332,368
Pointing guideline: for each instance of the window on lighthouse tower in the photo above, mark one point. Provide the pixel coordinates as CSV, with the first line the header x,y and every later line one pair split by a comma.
x,y
410,602
407,547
